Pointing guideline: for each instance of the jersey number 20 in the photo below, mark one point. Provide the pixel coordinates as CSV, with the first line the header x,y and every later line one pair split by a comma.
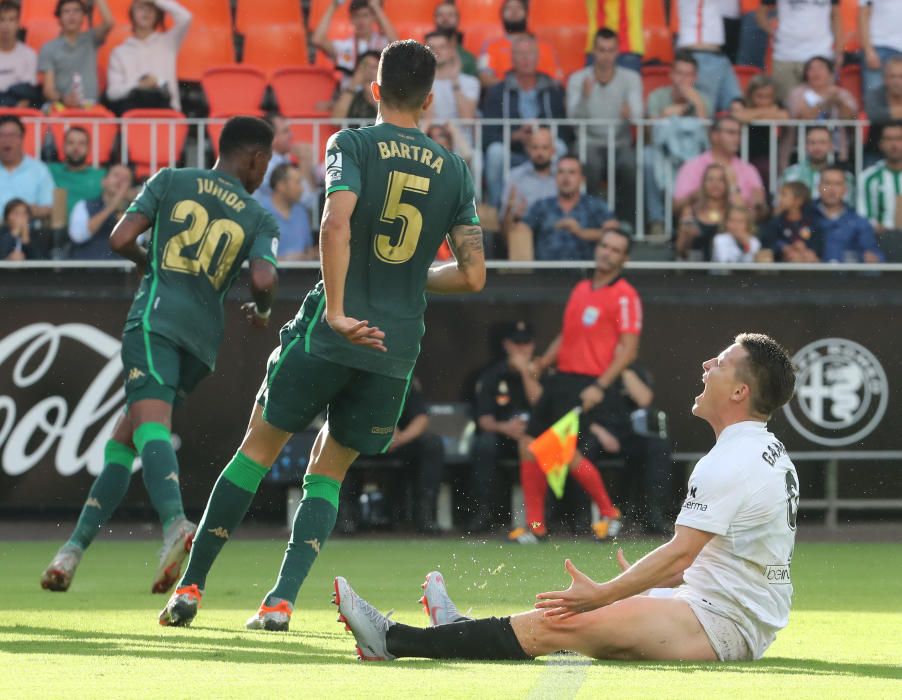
x,y
410,217
205,246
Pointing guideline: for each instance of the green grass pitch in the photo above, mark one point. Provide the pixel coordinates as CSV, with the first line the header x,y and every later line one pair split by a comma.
x,y
102,640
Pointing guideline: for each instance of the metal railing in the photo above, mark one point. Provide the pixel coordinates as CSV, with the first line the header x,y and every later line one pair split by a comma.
x,y
316,131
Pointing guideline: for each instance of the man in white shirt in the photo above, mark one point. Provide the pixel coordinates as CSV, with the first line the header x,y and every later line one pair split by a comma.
x,y
142,69
18,62
729,559
803,29
455,94
364,15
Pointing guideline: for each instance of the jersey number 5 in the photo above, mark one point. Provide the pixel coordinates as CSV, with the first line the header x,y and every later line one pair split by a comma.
x,y
205,246
411,218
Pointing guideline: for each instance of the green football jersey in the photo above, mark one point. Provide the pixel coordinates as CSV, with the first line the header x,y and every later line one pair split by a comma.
x,y
411,192
205,225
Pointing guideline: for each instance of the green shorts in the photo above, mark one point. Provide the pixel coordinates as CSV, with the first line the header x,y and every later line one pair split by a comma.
x,y
362,407
156,368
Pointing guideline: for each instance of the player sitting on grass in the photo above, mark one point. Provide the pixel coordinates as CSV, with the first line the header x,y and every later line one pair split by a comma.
x,y
392,195
729,559
204,225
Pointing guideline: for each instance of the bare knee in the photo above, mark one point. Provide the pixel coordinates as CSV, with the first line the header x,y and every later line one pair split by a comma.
x,y
263,442
329,457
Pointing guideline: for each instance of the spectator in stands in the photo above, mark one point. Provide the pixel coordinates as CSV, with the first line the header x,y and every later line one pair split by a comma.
x,y
531,181
880,190
356,101
605,92
295,238
752,38
819,97
565,227
69,63
818,155
626,20
672,143
880,29
790,236
455,94
760,104
884,103
506,391
802,31
22,176
702,218
743,178
450,137
847,237
15,234
93,220
80,180
737,242
702,33
18,62
142,69
285,150
497,56
525,93
646,451
447,20
373,31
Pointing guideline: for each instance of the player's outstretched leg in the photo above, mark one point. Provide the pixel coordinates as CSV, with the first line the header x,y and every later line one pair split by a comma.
x,y
439,607
228,504
589,478
313,523
107,492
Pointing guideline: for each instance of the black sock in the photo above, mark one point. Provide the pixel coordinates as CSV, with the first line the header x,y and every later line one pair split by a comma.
x,y
485,639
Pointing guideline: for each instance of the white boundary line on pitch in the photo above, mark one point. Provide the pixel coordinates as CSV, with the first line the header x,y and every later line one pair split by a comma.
x,y
562,677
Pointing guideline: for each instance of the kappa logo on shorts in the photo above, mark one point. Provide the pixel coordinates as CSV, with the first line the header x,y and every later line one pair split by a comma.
x,y
219,532
134,373
376,430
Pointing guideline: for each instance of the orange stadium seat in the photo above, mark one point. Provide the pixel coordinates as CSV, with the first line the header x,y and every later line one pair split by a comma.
x,y
270,48
476,36
103,133
233,88
850,79
202,48
214,130
119,8
654,77
303,90
209,14
170,138
38,33
415,11
744,74
569,43
480,12
341,20
414,30
37,11
34,130
557,14
658,44
254,13
848,10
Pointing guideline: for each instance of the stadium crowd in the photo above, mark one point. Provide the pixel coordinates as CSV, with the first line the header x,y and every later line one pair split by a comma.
x,y
730,101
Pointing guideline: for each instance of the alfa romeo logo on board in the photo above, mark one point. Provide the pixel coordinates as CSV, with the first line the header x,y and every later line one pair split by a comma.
x,y
841,392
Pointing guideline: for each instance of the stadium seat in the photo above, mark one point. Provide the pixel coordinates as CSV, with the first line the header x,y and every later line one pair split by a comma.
x,y
411,11
34,129
233,88
744,74
310,133
39,32
849,13
256,13
413,30
139,128
119,8
214,130
209,14
104,133
481,12
654,77
301,90
658,45
569,43
476,36
341,20
203,48
557,14
850,79
270,48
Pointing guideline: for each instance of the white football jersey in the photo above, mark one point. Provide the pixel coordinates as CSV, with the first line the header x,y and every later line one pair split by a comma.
x,y
746,492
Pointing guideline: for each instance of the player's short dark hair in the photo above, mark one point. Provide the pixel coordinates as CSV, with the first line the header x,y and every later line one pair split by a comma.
x,y
684,56
797,189
606,34
280,174
62,3
768,371
9,6
12,119
406,73
245,132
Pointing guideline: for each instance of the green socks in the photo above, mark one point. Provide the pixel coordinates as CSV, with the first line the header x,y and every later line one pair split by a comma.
x,y
313,524
106,493
232,495
161,471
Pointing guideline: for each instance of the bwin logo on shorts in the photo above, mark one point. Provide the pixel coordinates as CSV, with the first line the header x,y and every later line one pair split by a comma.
x,y
841,392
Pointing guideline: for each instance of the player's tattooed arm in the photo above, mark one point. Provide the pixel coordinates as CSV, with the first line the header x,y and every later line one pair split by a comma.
x,y
467,274
124,238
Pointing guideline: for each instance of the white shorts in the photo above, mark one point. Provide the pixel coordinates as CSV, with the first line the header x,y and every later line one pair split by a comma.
x,y
724,634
